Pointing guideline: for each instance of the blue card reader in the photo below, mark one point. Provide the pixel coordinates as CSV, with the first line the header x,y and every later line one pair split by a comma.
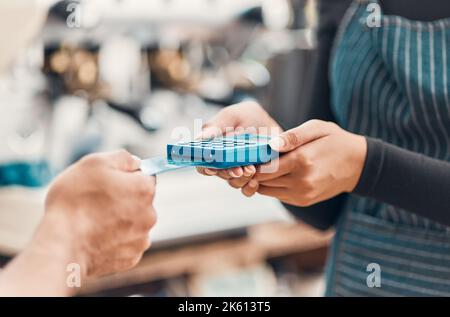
x,y
220,153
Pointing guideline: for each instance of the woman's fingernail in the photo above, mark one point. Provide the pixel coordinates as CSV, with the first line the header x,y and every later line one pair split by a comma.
x,y
236,173
198,136
208,133
248,171
210,172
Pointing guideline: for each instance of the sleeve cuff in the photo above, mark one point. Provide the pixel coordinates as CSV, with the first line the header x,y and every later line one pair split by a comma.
x,y
373,166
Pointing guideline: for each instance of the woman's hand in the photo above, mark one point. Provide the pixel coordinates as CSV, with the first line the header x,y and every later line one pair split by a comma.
x,y
244,117
321,160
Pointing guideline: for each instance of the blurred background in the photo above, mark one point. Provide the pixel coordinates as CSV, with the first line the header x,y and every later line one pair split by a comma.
x,y
84,76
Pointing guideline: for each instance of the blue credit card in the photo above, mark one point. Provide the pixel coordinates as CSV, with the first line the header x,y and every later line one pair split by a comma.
x,y
219,153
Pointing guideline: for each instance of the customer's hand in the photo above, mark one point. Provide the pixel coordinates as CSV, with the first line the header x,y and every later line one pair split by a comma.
x,y
98,216
244,117
101,210
321,160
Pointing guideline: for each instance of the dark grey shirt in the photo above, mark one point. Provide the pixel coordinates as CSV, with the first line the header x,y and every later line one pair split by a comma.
x,y
393,175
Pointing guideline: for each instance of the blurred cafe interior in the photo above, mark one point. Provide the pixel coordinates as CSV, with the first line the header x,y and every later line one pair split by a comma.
x,y
124,74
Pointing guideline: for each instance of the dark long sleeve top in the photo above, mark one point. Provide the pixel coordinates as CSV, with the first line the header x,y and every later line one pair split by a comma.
x,y
393,175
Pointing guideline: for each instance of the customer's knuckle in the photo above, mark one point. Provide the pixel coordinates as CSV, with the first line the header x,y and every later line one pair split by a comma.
x,y
92,159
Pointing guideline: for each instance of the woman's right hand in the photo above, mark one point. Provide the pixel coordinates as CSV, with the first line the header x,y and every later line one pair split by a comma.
x,y
244,117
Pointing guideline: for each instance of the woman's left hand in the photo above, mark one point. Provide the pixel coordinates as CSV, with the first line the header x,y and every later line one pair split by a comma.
x,y
321,160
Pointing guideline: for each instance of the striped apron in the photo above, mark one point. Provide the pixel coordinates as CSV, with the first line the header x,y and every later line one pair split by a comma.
x,y
391,82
